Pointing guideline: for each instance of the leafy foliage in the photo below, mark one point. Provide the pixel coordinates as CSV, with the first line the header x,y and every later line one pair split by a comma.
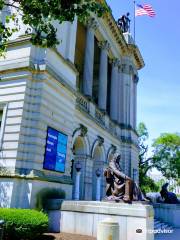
x,y
167,154
145,182
39,15
165,157
48,193
23,223
143,137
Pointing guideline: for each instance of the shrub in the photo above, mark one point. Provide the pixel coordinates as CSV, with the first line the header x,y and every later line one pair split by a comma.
x,y
23,224
48,193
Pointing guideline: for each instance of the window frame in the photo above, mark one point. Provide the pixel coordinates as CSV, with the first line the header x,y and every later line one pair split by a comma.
x,y
3,108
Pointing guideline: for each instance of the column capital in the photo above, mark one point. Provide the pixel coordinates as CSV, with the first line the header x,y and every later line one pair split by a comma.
x,y
115,62
120,68
92,24
104,45
128,68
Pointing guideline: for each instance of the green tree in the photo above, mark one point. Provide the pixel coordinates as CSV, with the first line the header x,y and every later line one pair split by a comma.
x,y
145,182
166,154
165,157
143,147
40,14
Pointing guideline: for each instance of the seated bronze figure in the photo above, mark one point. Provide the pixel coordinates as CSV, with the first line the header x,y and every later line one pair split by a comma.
x,y
120,186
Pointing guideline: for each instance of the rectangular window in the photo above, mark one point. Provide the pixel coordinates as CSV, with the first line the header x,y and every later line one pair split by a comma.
x,y
1,114
1,117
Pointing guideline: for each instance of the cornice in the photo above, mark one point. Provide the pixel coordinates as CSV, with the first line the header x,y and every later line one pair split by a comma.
x,y
115,30
134,50
127,49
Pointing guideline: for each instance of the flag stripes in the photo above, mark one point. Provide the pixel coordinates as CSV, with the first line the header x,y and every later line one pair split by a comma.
x,y
145,9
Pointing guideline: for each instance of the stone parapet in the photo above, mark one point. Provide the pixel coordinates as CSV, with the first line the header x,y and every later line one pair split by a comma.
x,y
102,118
135,220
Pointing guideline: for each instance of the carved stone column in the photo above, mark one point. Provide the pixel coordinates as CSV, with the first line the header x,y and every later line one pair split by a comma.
x,y
103,75
125,114
114,90
89,58
131,96
135,82
120,95
77,181
98,184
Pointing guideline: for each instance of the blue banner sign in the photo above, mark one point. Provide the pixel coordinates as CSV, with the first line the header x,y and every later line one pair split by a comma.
x,y
56,149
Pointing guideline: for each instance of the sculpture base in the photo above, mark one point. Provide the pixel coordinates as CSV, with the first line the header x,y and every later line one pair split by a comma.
x,y
122,201
136,220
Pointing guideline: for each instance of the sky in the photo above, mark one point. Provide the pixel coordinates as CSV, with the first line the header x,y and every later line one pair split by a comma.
x,y
158,39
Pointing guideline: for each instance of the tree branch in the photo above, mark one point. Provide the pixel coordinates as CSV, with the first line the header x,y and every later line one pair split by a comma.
x,y
11,5
147,160
148,168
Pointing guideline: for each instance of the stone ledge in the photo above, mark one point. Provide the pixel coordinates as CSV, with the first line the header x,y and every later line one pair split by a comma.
x,y
113,208
32,174
136,220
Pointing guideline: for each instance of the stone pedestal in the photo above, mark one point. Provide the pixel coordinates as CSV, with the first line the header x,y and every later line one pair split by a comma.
x,y
108,229
135,220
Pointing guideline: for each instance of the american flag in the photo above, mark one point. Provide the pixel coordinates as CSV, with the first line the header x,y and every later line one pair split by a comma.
x,y
145,9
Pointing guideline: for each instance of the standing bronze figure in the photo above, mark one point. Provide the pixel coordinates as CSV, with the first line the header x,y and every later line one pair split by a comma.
x,y
120,186
124,23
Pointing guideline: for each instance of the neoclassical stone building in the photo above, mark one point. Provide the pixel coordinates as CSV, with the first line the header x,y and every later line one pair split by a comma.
x,y
84,91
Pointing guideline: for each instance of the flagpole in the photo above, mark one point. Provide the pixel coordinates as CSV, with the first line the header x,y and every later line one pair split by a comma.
x,y
134,22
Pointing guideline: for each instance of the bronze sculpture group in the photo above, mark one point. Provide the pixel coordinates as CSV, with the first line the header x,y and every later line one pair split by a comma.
x,y
124,23
120,186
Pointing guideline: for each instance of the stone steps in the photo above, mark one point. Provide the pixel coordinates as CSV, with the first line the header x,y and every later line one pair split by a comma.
x,y
160,225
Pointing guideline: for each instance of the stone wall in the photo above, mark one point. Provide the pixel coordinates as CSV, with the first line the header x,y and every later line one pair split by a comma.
x,y
168,213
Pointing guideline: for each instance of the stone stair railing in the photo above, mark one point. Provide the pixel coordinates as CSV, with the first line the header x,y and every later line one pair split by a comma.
x,y
168,213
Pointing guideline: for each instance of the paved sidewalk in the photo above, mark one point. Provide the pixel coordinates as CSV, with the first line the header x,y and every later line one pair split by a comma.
x,y
169,236
65,236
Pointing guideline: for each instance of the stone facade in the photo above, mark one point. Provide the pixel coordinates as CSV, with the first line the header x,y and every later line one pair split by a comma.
x,y
85,88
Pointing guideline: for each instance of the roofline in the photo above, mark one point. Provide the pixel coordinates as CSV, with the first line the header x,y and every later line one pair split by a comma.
x,y
127,49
